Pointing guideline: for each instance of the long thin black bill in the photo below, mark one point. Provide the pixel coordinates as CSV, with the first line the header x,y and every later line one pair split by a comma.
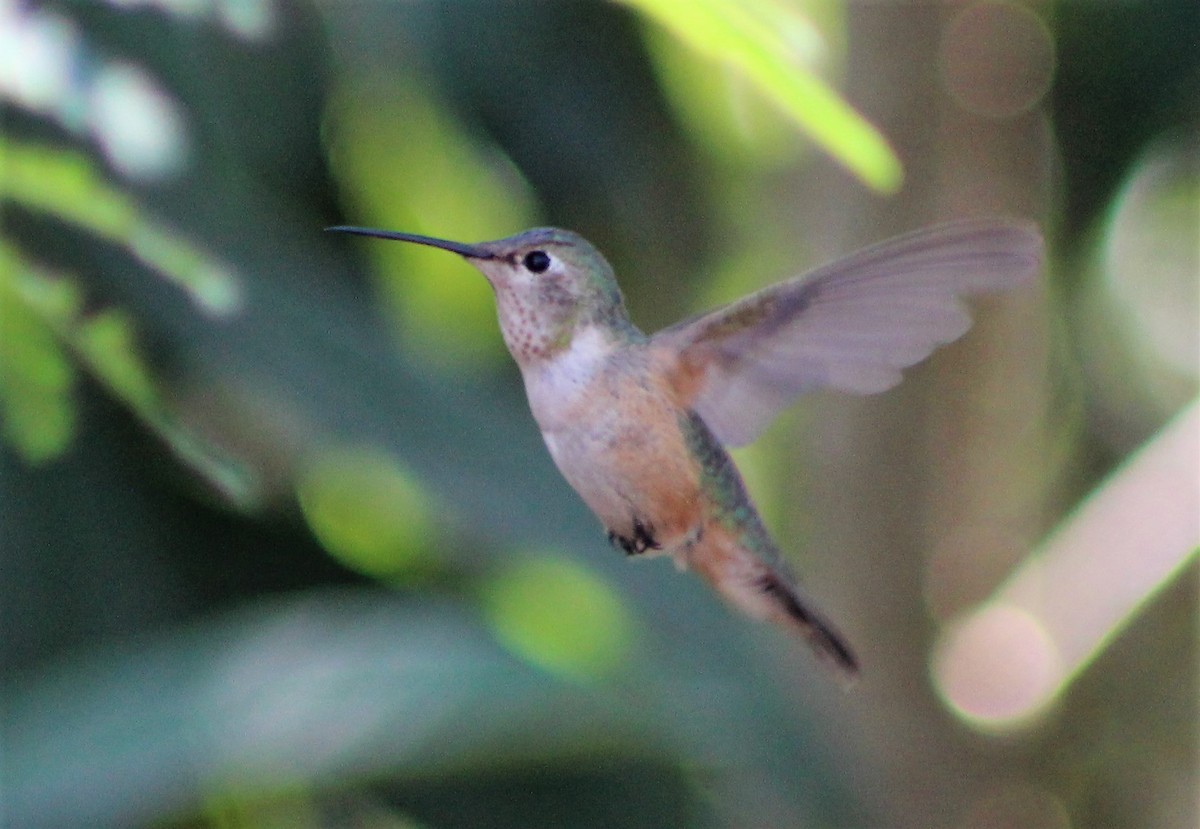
x,y
471,251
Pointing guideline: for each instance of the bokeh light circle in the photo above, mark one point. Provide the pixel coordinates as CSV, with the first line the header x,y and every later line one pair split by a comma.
x,y
998,668
997,59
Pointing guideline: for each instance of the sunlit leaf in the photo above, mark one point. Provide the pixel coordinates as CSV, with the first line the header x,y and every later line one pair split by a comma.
x,y
35,374
107,343
47,324
754,39
1005,662
723,110
68,186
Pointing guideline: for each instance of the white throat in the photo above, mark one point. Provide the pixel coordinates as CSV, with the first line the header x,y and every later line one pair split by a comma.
x,y
554,385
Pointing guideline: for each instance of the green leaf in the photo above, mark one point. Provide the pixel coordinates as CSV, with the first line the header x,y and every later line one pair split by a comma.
x,y
40,326
35,383
107,344
36,376
68,186
750,36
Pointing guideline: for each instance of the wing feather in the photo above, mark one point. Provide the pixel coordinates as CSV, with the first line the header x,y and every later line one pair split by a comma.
x,y
852,325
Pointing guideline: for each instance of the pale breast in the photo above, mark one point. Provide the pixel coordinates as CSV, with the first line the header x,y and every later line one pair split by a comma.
x,y
613,430
559,386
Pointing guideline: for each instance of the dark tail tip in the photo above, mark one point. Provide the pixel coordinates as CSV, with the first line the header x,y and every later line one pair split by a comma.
x,y
829,645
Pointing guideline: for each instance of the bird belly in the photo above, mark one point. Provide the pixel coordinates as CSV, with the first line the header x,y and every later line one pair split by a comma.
x,y
632,472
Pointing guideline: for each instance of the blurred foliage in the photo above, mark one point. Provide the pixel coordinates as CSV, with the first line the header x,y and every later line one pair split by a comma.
x,y
35,374
281,544
762,40
367,512
558,615
66,186
431,177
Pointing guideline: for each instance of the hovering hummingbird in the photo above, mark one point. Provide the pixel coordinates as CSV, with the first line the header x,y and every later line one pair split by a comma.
x,y
638,424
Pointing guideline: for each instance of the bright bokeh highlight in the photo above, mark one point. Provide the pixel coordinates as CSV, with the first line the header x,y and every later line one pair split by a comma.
x,y
1008,660
1155,223
139,127
559,616
136,122
368,512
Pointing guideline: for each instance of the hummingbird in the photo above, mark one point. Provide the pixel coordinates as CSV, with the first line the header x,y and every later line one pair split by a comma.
x,y
638,425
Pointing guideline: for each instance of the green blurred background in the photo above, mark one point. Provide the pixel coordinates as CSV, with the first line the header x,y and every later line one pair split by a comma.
x,y
281,545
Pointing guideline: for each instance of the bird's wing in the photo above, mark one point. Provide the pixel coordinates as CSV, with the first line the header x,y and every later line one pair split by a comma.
x,y
851,325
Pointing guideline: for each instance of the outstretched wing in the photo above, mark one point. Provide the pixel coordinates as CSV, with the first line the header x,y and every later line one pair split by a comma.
x,y
851,325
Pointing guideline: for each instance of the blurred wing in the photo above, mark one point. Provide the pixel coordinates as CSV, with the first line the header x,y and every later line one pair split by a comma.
x,y
851,325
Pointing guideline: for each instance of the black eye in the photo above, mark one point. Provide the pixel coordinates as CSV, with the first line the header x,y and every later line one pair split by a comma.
x,y
537,261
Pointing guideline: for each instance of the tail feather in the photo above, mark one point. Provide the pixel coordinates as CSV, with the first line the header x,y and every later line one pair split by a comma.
x,y
829,645
764,591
